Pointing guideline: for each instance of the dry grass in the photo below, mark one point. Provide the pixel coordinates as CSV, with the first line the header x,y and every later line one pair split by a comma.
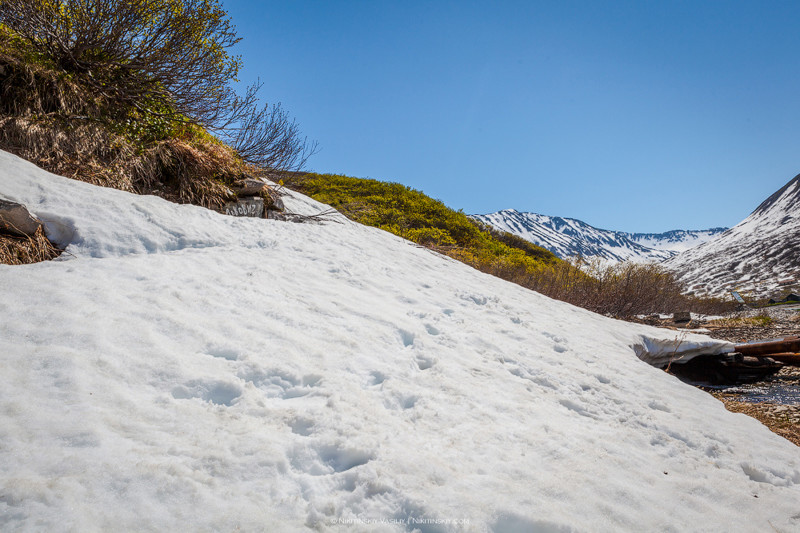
x,y
26,250
739,322
190,172
50,120
179,170
30,89
88,152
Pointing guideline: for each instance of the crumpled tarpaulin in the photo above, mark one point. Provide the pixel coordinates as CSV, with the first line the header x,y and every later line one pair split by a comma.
x,y
684,347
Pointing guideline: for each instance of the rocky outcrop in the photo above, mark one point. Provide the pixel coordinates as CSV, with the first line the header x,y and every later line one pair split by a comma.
x,y
255,198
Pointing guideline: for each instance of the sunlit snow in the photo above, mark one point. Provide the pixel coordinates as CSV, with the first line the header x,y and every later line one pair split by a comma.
x,y
180,370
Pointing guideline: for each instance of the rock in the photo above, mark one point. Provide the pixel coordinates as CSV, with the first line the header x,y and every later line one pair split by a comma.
x,y
682,316
249,187
252,206
274,202
256,198
17,220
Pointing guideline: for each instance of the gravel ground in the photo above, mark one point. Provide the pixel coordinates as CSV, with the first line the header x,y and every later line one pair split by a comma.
x,y
751,325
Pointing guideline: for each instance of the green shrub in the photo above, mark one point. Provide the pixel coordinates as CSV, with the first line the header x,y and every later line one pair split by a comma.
x,y
166,58
763,320
135,95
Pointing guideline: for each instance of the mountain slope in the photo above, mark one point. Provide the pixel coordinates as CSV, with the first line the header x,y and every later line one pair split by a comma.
x,y
755,255
568,237
184,370
677,241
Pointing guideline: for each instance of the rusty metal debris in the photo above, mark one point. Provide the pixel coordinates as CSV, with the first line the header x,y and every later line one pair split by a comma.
x,y
785,350
747,363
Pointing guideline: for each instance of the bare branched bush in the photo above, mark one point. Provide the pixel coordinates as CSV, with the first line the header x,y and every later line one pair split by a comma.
x,y
168,51
266,136
620,290
143,68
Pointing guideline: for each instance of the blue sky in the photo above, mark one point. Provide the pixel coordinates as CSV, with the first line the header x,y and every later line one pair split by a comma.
x,y
636,116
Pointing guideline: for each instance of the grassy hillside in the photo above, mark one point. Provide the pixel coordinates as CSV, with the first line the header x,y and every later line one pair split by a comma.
x,y
419,218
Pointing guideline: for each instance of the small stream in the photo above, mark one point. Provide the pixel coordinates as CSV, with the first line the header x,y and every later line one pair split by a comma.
x,y
779,392
782,389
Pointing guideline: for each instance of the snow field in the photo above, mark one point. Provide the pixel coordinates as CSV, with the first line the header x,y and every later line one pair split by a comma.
x,y
183,370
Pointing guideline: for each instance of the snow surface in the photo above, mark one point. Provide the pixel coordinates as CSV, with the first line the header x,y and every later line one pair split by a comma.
x,y
180,370
677,240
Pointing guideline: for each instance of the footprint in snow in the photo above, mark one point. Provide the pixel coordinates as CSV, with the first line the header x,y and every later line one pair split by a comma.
x,y
375,378
302,426
431,330
424,363
327,459
406,337
216,392
400,402
278,383
222,352
512,522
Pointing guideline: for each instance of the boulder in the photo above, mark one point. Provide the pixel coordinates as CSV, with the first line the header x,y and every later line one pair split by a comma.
x,y
681,316
15,219
249,187
274,202
252,206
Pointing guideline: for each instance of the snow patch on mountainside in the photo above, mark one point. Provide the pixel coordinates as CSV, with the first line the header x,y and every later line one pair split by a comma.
x,y
678,240
181,370
568,237
754,256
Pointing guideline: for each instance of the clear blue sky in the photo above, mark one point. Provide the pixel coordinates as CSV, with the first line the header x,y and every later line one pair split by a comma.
x,y
636,116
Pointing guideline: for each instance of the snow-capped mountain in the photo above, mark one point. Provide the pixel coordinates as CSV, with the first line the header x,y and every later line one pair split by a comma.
x,y
758,255
677,241
568,237
183,370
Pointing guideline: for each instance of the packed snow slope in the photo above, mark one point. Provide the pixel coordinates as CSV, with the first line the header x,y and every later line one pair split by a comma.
x,y
569,237
756,255
180,370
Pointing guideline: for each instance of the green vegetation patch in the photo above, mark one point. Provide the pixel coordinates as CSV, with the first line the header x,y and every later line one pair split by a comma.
x,y
417,217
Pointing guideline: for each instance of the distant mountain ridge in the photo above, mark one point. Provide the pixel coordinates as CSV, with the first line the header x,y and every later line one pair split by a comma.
x,y
569,237
759,255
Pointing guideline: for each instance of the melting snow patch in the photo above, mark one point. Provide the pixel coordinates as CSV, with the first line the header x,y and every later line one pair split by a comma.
x,y
190,371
